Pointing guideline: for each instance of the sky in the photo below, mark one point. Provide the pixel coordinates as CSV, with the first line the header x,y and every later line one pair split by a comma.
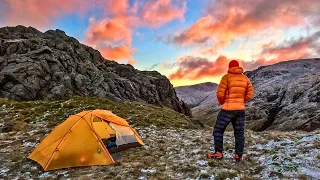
x,y
189,41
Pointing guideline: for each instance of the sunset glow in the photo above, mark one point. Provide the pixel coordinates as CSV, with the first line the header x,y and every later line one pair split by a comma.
x,y
188,41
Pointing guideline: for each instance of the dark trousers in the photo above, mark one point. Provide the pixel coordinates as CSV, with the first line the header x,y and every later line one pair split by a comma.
x,y
237,119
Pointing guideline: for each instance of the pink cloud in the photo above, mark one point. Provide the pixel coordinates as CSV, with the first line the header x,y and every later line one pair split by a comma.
x,y
42,13
114,35
156,13
116,53
118,7
228,20
110,34
132,62
114,31
165,64
194,68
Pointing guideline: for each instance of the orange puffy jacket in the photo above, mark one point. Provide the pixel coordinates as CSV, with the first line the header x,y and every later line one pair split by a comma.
x,y
234,90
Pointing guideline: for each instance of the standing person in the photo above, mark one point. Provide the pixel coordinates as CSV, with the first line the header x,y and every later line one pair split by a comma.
x,y
233,91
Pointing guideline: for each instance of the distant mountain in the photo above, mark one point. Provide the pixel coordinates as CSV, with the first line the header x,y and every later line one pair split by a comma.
x,y
36,65
197,95
202,99
287,97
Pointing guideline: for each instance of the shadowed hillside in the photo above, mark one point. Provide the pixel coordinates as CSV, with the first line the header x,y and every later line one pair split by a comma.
x,y
287,97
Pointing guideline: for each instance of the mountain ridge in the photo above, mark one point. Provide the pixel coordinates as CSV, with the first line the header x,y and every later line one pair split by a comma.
x,y
199,93
36,65
287,97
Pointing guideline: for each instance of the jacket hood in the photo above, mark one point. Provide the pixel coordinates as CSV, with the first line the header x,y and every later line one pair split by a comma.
x,y
236,70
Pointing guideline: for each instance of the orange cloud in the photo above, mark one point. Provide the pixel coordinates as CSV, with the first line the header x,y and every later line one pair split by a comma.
x,y
296,49
114,31
113,36
132,62
116,53
195,68
227,20
156,13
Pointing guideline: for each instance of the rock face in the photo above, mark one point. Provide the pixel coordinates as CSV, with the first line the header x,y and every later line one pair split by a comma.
x,y
202,100
287,97
36,65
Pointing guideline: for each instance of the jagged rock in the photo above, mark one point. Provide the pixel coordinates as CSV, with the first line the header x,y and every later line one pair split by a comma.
x,y
36,65
286,97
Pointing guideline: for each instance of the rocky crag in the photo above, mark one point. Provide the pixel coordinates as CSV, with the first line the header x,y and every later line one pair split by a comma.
x,y
36,65
287,97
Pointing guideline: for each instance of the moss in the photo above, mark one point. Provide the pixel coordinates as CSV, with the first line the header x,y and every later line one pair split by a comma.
x,y
225,175
275,164
212,163
265,151
293,154
275,156
318,156
293,167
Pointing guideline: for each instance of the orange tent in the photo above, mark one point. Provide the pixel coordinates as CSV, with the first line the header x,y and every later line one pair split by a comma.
x,y
78,141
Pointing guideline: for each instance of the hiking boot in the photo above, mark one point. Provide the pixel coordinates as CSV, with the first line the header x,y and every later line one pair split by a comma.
x,y
237,158
217,155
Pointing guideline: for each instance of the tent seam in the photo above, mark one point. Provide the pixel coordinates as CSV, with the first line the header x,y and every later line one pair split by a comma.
x,y
99,140
63,139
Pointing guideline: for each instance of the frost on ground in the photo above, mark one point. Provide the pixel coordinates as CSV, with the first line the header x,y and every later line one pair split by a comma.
x,y
174,153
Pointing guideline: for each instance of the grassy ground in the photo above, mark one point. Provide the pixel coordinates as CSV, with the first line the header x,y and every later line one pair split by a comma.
x,y
19,113
174,148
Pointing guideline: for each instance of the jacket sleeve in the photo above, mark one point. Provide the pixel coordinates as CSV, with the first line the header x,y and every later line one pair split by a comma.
x,y
221,90
249,92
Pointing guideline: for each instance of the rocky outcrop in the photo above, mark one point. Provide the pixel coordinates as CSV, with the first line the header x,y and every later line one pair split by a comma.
x,y
36,65
287,97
